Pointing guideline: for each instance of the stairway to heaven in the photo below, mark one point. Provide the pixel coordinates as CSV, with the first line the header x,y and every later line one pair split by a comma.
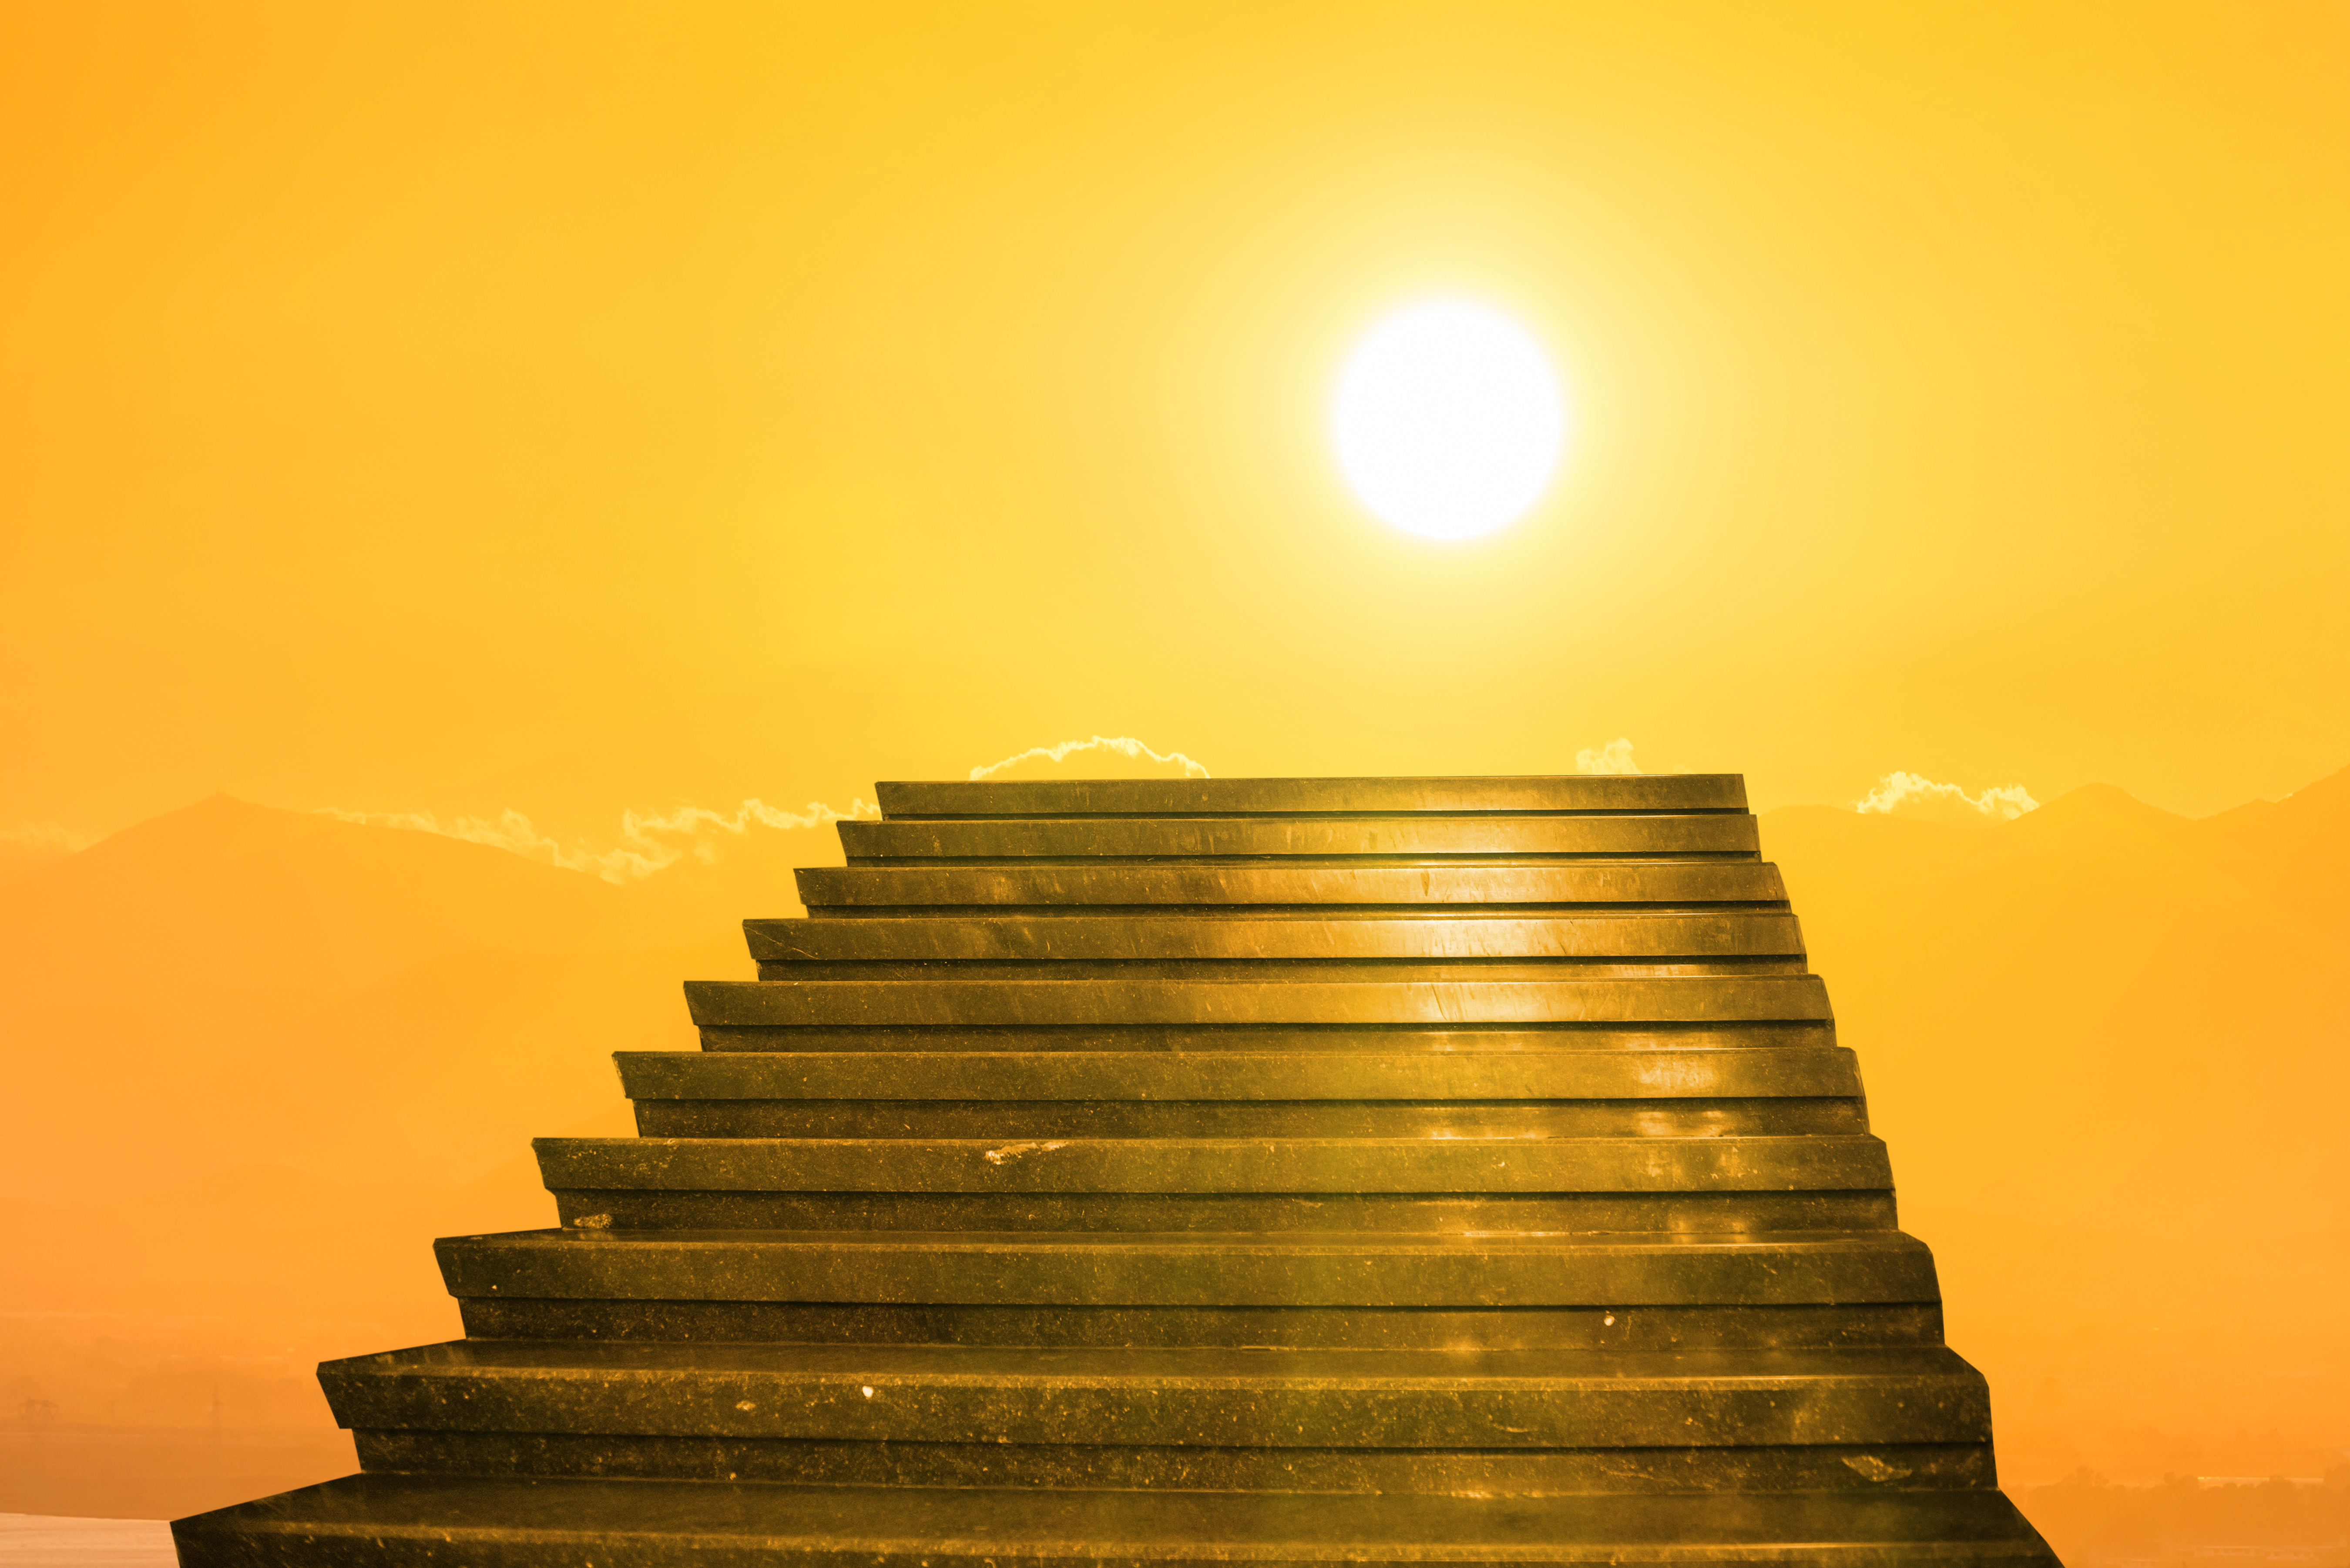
x,y
1274,1171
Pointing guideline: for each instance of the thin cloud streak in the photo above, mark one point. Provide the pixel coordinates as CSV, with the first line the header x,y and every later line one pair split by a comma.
x,y
1916,796
52,838
649,841
1123,746
30,846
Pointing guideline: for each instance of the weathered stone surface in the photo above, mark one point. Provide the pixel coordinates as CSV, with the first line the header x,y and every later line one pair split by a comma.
x,y
1569,792
1068,939
1286,1171
1132,1078
1049,1003
1664,884
1215,1397
1434,1164
1214,1039
1560,1213
1716,1071
1378,838
1301,1269
1314,1121
529,1522
1777,1325
1489,1472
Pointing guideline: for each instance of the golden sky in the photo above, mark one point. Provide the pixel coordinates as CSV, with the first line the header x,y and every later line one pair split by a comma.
x,y
569,407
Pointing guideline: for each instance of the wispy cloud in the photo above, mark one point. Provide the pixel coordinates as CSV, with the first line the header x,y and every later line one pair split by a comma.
x,y
653,841
649,841
1615,757
47,838
1125,746
29,846
1916,796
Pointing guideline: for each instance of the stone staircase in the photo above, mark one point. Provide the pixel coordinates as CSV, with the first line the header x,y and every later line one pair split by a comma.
x,y
1269,1171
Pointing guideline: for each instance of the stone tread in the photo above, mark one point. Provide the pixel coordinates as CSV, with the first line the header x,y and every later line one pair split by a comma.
x,y
1205,1269
1812,1162
1016,1004
1094,939
1211,837
1136,1042
1216,1397
1568,793
512,1522
1238,1075
1163,886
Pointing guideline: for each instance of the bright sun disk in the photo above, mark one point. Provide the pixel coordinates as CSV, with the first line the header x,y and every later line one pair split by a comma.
x,y
1448,422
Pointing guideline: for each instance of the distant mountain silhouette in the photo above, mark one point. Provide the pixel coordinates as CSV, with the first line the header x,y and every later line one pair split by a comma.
x,y
252,984
2106,1045
225,894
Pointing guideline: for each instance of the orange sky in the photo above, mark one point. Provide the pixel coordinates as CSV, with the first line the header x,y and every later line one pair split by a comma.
x,y
572,408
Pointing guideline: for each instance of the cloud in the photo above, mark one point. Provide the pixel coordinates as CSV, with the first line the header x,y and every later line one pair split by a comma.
x,y
649,841
29,846
1615,757
1916,796
652,841
47,837
1143,762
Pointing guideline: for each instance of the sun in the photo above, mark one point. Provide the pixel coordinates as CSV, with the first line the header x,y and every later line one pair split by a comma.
x,y
1448,422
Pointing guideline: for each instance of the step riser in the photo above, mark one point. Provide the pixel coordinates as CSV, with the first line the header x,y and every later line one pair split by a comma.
x,y
620,1405
1580,1213
1005,1120
1211,838
1298,1328
1652,1078
1437,1005
1046,1271
1909,1467
1282,970
1079,938
1560,886
1418,1165
1808,1035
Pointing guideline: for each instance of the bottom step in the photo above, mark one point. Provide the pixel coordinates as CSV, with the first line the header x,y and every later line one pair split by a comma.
x,y
410,1522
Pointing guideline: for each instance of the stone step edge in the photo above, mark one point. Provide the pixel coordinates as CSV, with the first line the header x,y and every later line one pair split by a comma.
x,y
1245,1077
432,1519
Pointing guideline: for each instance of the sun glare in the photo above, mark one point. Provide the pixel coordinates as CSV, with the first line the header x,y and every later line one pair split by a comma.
x,y
1448,422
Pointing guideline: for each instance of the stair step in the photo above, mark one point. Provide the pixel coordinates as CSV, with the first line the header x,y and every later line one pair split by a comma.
x,y
1318,1121
1222,971
1089,938
1029,1003
1211,837
1576,1213
1488,1472
1167,889
1215,1397
532,1523
1195,1269
1241,1077
1811,1163
1783,1325
1168,1041
1568,793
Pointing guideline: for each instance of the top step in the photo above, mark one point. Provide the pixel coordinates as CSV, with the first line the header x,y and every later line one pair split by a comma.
x,y
1563,794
